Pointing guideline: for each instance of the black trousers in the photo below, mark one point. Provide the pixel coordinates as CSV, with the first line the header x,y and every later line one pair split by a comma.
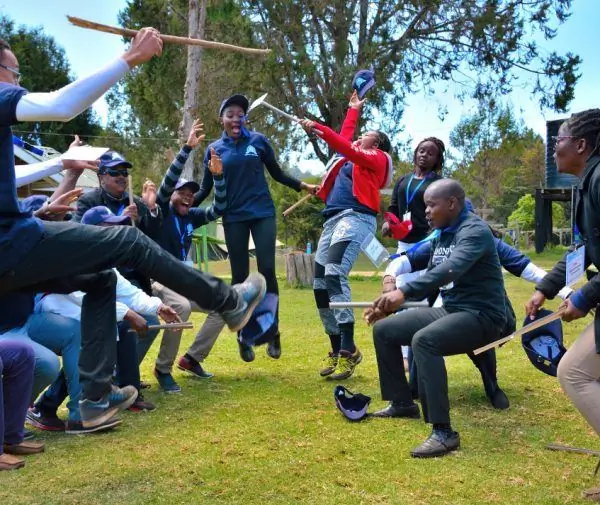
x,y
433,333
69,257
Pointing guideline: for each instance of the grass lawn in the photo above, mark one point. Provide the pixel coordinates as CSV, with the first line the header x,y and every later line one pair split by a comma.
x,y
268,432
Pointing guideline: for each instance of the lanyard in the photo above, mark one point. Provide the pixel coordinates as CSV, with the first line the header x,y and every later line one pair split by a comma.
x,y
120,210
182,235
411,196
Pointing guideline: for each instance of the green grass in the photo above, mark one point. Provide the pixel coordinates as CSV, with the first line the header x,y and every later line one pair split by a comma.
x,y
268,432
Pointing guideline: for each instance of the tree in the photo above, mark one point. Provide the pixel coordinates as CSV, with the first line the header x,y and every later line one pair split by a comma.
x,y
483,45
524,215
45,67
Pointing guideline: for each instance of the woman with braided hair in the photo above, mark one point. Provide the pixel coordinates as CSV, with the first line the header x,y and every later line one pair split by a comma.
x,y
577,152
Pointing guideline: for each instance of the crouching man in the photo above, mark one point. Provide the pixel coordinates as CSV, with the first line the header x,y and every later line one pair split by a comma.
x,y
464,265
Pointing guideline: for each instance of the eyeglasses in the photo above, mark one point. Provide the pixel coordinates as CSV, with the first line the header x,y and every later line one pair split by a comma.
x,y
557,138
118,173
14,71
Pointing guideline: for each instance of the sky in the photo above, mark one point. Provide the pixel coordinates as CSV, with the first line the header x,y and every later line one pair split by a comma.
x,y
87,49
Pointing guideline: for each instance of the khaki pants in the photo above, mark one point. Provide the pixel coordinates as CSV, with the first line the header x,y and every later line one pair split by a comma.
x,y
205,338
579,374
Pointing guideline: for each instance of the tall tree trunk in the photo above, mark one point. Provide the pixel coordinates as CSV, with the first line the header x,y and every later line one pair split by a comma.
x,y
196,24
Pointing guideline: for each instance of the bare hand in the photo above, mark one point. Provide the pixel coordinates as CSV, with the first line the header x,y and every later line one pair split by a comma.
x,y
168,314
534,304
571,312
389,284
215,164
149,194
132,212
355,102
196,134
372,315
385,230
76,167
137,322
309,126
144,46
389,303
313,189
56,210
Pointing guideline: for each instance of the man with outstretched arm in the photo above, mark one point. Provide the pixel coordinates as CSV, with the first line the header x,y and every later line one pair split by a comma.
x,y
64,257
464,265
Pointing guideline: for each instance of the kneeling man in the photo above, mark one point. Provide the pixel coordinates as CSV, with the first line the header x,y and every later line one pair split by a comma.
x,y
464,265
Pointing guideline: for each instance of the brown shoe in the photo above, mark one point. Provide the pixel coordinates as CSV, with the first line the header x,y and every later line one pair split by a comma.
x,y
8,462
592,494
25,447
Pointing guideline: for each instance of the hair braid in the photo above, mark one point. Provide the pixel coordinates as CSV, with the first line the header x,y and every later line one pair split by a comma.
x,y
441,151
586,125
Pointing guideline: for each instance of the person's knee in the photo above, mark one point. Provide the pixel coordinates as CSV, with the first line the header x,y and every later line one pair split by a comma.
x,y
183,307
333,282
567,373
423,343
46,367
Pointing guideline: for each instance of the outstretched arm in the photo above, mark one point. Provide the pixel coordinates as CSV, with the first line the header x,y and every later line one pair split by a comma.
x,y
73,99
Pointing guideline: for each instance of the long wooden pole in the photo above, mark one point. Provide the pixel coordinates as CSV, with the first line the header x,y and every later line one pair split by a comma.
x,y
172,39
287,211
131,201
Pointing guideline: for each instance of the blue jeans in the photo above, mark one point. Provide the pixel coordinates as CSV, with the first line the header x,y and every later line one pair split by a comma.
x,y
47,365
131,350
62,335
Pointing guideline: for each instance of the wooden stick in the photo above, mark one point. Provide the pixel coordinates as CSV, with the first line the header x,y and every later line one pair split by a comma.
x,y
130,189
287,211
172,39
169,326
366,305
568,448
526,329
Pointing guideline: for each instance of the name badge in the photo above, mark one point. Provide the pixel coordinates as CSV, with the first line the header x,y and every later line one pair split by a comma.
x,y
406,216
374,250
575,265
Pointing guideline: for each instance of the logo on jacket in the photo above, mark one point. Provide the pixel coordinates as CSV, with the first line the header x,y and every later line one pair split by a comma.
x,y
251,151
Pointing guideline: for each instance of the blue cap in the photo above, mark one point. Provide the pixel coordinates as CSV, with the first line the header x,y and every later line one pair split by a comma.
x,y
240,100
112,159
33,203
352,405
544,346
184,183
101,215
363,81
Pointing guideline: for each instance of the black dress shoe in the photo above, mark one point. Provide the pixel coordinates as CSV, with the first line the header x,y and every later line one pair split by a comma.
x,y
246,352
439,443
274,347
395,410
499,400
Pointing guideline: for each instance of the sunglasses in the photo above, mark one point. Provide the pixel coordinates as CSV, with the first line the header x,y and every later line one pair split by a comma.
x,y
117,173
14,71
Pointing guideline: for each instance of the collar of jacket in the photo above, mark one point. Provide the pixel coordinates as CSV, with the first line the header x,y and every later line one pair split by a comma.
x,y
109,197
590,168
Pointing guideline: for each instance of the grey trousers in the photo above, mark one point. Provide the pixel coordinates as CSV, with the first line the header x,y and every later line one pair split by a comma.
x,y
579,376
205,338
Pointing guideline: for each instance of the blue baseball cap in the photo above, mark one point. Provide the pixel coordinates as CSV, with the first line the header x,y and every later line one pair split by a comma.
x,y
363,81
112,159
101,215
352,405
184,183
544,346
33,203
240,100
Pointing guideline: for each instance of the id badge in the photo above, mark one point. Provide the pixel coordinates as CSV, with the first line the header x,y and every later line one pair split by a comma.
x,y
406,216
374,250
575,265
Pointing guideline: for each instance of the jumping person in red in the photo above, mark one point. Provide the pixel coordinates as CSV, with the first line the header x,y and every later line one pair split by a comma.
x,y
350,190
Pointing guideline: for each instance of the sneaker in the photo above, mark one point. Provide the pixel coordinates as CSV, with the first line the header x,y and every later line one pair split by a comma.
x,y
95,413
274,347
193,368
246,352
141,405
44,421
250,294
28,434
329,364
166,382
346,364
77,428
145,385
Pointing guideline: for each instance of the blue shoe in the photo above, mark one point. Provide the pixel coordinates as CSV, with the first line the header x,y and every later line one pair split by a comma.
x,y
250,293
166,382
96,413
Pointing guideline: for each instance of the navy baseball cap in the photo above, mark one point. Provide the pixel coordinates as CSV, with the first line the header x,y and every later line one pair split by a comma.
x,y
363,81
544,346
112,159
101,215
240,100
352,405
184,183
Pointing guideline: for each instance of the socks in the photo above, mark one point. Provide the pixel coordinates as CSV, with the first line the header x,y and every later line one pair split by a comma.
x,y
190,359
444,428
336,342
347,337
